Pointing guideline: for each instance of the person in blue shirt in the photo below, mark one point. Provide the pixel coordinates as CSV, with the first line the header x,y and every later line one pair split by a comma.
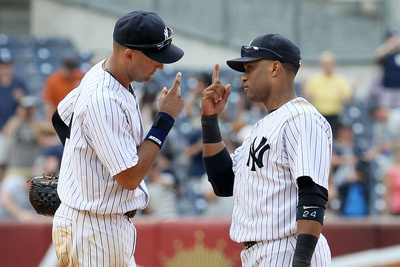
x,y
12,90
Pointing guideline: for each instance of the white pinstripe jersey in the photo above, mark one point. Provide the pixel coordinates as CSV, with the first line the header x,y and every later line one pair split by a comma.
x,y
293,141
106,130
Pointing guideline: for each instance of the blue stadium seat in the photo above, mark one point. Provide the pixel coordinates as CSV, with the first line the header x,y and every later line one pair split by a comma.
x,y
13,41
53,42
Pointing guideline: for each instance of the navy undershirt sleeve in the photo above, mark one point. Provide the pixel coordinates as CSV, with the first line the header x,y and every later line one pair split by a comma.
x,y
220,173
61,128
311,193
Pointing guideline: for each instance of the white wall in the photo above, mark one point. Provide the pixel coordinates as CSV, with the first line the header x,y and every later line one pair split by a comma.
x,y
395,11
86,29
91,30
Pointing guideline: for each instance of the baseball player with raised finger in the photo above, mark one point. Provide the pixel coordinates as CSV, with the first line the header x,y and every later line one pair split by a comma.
x,y
278,177
107,153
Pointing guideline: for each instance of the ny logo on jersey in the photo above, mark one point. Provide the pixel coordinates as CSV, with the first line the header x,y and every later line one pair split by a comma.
x,y
253,157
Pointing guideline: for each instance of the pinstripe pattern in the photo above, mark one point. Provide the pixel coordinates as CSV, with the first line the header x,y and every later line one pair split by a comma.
x,y
84,239
106,130
279,253
293,141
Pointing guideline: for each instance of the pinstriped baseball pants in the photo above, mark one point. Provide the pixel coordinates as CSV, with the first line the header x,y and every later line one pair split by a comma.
x,y
279,253
84,239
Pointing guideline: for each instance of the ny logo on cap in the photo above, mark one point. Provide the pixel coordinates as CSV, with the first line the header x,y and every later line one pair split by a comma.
x,y
166,33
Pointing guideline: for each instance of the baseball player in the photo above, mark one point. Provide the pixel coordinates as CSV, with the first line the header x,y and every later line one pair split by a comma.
x,y
107,153
279,175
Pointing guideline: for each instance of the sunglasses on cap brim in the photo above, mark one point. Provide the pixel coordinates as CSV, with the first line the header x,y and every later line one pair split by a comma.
x,y
168,40
250,49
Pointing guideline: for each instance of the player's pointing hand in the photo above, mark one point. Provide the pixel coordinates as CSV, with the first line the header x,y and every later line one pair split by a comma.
x,y
215,96
170,101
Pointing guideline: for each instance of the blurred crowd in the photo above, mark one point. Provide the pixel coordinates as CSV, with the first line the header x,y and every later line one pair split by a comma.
x,y
365,176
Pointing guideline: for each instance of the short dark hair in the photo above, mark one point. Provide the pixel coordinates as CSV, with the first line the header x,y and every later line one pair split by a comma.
x,y
290,67
70,63
205,77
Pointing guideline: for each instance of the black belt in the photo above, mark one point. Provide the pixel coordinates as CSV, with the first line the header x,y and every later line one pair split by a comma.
x,y
130,214
249,244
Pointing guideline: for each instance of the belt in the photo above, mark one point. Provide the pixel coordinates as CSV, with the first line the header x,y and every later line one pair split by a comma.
x,y
249,244
130,214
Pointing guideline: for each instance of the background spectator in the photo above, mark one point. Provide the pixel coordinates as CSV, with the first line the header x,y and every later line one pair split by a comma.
x,y
164,199
353,194
392,183
23,130
216,206
193,180
385,136
344,162
344,156
328,91
59,83
193,152
387,88
11,92
14,201
193,97
149,103
49,161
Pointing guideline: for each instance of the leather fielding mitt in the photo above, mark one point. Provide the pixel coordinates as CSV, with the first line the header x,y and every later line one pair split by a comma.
x,y
43,194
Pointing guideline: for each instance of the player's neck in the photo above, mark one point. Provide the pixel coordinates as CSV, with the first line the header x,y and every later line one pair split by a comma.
x,y
276,101
112,68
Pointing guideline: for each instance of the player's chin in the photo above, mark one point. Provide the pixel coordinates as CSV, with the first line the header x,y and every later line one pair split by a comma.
x,y
145,79
254,98
250,96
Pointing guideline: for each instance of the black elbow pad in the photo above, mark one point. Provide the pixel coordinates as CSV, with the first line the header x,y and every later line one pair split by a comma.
x,y
220,173
61,128
312,200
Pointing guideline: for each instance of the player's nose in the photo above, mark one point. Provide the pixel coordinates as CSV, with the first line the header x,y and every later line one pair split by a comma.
x,y
243,78
159,65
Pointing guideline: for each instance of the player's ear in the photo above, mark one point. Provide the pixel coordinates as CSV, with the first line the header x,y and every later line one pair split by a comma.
x,y
276,68
129,54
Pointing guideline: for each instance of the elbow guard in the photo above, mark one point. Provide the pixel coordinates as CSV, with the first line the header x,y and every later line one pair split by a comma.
x,y
220,173
312,200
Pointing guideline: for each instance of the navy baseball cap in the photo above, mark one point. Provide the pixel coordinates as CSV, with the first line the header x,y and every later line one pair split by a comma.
x,y
146,31
269,46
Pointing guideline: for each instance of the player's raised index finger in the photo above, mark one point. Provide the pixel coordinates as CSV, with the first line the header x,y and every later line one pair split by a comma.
x,y
177,81
215,76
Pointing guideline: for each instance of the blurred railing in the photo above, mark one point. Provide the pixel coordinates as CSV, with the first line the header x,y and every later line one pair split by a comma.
x,y
351,29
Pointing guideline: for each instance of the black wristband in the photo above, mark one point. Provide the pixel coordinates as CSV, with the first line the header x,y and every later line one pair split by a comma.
x,y
304,250
160,128
211,131
310,212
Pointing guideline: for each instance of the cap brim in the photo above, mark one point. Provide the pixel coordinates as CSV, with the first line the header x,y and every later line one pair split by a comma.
x,y
238,63
166,55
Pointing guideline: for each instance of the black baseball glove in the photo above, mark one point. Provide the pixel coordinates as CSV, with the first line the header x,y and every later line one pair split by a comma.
x,y
43,194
